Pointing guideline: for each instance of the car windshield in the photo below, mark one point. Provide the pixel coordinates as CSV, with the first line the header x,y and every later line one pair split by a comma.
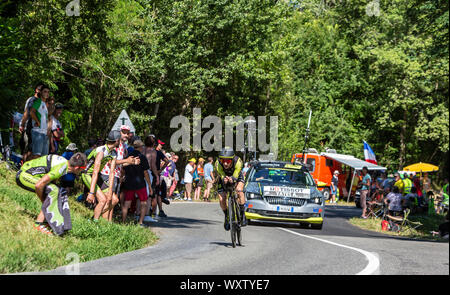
x,y
282,175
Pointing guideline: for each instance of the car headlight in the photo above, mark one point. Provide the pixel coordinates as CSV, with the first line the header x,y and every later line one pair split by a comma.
x,y
253,196
315,199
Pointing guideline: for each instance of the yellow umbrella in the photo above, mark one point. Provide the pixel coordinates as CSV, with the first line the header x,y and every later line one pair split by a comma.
x,y
421,167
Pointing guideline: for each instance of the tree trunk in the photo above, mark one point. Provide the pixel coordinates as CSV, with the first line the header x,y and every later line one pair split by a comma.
x,y
402,157
185,105
155,114
91,114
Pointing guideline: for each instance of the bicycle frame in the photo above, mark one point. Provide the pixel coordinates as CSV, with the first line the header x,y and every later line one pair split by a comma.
x,y
234,215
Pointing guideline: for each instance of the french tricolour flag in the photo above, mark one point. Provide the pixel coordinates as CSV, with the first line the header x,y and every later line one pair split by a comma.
x,y
369,154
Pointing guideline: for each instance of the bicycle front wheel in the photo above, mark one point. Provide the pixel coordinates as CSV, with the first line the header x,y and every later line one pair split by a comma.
x,y
232,219
239,235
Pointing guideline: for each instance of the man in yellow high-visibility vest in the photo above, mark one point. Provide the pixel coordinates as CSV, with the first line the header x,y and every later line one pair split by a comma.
x,y
399,183
408,184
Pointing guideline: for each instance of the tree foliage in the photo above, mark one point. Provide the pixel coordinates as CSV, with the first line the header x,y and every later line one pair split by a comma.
x,y
374,75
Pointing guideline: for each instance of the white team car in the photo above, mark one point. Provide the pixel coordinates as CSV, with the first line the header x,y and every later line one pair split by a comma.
x,y
281,191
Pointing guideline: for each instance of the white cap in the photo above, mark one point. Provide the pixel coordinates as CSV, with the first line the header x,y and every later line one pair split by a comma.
x,y
125,127
335,171
72,147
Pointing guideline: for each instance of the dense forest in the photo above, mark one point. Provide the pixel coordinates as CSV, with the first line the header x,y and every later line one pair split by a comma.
x,y
373,70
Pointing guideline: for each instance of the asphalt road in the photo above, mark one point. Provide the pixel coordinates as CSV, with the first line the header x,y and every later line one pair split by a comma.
x,y
193,242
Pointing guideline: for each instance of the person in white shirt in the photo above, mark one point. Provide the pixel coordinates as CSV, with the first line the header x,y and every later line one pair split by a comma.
x,y
39,133
188,178
26,124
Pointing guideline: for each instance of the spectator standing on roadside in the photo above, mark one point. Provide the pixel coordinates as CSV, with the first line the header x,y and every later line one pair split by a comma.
x,y
56,129
39,133
26,124
201,176
150,153
399,183
131,139
426,184
50,103
121,158
99,190
418,186
92,145
129,146
188,179
135,183
366,180
165,174
209,178
161,191
68,180
334,186
176,177
172,172
408,184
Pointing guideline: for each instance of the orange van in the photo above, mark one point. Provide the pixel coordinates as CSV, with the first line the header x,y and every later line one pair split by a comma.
x,y
321,169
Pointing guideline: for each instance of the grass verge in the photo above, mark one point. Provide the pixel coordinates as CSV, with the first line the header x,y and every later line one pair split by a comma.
x,y
430,223
340,202
24,249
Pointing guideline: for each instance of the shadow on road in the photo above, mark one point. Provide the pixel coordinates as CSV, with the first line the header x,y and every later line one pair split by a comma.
x,y
226,245
180,222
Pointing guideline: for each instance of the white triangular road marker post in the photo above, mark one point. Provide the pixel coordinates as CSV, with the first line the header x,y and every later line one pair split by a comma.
x,y
123,119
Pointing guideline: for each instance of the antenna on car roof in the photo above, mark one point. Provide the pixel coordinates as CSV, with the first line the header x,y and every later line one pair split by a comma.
x,y
306,137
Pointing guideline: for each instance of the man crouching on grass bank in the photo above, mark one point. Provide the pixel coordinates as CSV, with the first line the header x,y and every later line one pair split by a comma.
x,y
38,176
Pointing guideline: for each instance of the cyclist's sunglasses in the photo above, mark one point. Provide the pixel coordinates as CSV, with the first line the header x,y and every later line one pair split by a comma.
x,y
227,161
81,167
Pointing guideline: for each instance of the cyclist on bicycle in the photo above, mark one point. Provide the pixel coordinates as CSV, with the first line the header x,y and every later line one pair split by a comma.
x,y
229,168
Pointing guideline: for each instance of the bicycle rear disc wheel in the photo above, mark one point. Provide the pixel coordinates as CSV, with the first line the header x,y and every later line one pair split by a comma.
x,y
231,216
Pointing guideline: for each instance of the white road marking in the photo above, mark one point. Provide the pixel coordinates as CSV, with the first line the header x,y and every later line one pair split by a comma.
x,y
371,268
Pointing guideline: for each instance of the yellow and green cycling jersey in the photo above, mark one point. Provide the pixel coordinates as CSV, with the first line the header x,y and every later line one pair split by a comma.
x,y
108,155
234,171
52,165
